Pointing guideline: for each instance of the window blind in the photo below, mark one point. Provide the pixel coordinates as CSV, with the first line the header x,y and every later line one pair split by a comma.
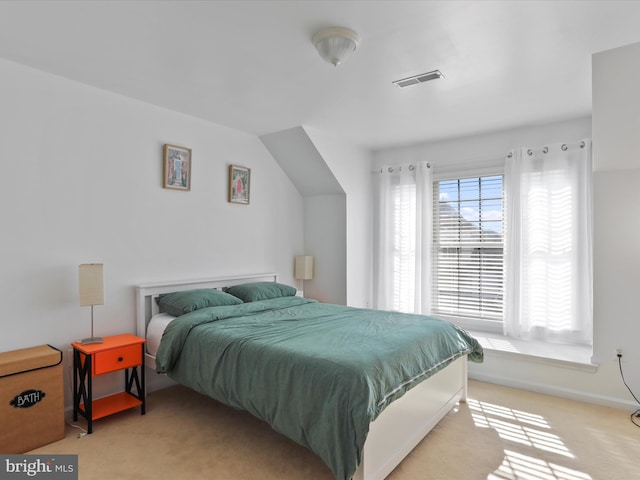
x,y
468,242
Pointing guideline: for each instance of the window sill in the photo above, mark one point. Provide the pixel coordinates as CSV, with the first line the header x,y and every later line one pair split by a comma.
x,y
576,357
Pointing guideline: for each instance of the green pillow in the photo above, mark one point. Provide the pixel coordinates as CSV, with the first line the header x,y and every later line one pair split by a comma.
x,y
252,292
179,303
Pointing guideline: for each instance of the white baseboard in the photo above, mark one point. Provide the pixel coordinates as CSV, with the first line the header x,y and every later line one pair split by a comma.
x,y
556,391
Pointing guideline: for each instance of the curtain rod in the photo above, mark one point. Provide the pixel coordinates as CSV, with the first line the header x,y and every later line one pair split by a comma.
x,y
411,167
545,149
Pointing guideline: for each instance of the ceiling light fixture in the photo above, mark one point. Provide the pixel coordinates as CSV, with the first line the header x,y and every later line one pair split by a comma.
x,y
416,79
335,44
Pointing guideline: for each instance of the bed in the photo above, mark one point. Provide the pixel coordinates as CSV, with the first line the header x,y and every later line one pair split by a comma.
x,y
361,409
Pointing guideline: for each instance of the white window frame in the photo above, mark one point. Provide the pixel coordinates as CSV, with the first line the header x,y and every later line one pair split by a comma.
x,y
477,324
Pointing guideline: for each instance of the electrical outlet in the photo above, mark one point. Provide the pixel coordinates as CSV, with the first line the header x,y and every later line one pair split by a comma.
x,y
618,353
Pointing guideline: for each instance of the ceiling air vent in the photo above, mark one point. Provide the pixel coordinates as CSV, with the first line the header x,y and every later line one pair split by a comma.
x,y
416,79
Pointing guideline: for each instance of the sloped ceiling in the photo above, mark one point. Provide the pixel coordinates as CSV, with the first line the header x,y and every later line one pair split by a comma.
x,y
300,159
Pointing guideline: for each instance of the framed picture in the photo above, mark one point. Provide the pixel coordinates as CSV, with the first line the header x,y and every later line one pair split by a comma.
x,y
239,184
177,167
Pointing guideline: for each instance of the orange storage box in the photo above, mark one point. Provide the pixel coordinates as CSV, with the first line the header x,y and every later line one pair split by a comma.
x,y
31,398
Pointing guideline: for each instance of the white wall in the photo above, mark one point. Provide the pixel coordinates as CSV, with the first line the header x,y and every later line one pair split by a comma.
x,y
483,149
617,268
83,183
616,118
325,237
325,233
334,178
616,122
351,166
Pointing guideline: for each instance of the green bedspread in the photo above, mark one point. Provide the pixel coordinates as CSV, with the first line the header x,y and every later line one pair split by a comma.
x,y
317,373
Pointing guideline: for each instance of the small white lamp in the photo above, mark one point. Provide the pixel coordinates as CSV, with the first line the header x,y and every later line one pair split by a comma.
x,y
91,292
303,267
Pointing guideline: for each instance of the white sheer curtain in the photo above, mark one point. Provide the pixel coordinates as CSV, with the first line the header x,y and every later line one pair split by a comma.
x,y
548,242
403,246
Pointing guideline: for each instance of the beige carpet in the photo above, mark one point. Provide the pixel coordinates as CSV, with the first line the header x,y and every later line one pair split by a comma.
x,y
501,433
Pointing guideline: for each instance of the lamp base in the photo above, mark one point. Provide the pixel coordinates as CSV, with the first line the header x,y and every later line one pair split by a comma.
x,y
88,341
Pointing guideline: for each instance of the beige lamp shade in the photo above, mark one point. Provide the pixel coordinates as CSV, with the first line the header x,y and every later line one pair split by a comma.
x,y
91,284
303,267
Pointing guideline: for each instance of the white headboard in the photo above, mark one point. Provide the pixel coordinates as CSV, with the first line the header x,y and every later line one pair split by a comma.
x,y
146,306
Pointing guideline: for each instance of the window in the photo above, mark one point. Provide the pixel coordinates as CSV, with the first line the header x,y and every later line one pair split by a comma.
x,y
468,245
441,240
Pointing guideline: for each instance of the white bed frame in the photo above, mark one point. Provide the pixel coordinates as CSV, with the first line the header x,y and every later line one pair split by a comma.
x,y
398,429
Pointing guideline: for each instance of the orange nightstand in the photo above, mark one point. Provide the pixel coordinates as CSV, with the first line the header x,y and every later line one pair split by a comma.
x,y
119,352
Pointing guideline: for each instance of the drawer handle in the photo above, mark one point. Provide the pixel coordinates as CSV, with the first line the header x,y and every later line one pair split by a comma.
x,y
120,359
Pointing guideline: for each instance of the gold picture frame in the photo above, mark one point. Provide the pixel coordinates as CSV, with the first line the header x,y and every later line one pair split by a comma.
x,y
239,184
177,167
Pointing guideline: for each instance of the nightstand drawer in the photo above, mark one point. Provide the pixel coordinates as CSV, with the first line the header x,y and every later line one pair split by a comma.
x,y
117,359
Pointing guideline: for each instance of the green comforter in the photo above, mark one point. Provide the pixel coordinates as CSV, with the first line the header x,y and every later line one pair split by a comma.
x,y
317,373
